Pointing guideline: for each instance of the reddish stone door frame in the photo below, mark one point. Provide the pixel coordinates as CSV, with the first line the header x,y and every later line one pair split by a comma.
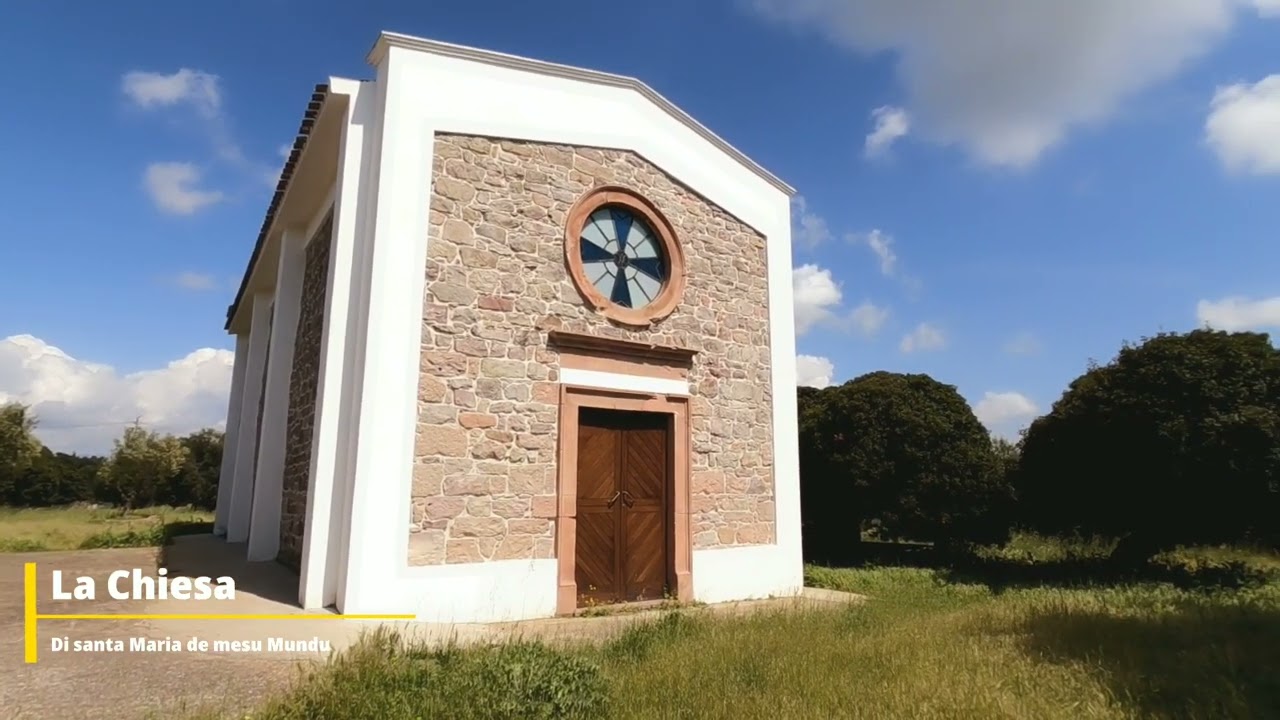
x,y
679,545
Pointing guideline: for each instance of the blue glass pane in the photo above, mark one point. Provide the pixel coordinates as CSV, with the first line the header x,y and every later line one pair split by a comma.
x,y
621,295
621,224
653,267
592,252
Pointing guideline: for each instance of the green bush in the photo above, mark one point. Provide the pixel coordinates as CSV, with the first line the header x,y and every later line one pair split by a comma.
x,y
902,451
18,545
1176,441
149,537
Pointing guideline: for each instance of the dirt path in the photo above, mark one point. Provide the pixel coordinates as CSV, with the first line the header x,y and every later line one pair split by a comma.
x,y
119,684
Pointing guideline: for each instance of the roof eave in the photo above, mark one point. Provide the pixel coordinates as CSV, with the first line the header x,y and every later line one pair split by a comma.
x,y
316,104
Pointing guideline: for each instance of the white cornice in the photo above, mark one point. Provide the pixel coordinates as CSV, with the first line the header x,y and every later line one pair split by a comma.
x,y
388,40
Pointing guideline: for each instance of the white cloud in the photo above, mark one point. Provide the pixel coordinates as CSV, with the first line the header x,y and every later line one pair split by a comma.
x,y
1238,313
814,371
82,406
924,338
817,302
868,318
1009,80
173,187
1023,344
201,91
809,229
892,123
1005,413
192,87
194,281
881,244
1243,127
1267,8
816,295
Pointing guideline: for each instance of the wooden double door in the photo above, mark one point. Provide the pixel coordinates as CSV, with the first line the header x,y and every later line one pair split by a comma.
x,y
623,543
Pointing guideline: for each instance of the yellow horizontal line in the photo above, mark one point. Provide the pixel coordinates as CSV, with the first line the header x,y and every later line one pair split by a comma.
x,y
179,616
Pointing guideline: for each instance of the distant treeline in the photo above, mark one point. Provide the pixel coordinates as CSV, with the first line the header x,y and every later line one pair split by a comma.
x,y
1174,442
143,469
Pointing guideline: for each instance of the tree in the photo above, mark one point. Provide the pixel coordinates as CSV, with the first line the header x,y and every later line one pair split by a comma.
x,y
1006,456
197,481
142,466
905,450
56,479
1176,440
19,447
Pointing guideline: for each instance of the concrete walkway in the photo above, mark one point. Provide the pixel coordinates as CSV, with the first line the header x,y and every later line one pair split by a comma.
x,y
129,684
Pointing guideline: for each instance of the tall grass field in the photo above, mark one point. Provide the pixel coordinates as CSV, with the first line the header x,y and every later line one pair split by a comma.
x,y
1036,629
85,527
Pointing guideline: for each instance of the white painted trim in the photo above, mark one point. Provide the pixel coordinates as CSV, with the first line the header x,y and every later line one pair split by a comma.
x,y
322,536
268,484
247,444
786,428
623,382
378,537
226,474
744,573
388,40
374,95
450,94
498,591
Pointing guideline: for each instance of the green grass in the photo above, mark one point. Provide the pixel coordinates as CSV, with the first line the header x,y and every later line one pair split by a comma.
x,y
80,527
1197,637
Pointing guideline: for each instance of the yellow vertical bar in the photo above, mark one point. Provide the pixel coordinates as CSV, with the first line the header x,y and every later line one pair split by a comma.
x,y
30,615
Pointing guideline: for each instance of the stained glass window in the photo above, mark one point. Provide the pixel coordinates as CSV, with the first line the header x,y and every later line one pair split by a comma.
x,y
622,257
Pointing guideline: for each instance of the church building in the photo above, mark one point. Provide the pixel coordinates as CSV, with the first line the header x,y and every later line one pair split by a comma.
x,y
516,338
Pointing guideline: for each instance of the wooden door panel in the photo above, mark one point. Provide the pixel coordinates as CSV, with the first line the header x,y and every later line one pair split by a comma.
x,y
644,525
597,547
598,449
645,566
645,464
596,556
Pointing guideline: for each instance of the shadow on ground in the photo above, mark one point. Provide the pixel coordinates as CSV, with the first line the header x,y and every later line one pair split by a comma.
x,y
191,550
1003,573
1204,662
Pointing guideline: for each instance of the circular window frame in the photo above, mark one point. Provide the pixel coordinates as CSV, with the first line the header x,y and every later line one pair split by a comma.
x,y
672,290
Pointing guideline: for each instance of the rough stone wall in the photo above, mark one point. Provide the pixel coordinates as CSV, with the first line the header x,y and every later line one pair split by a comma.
x,y
304,379
485,459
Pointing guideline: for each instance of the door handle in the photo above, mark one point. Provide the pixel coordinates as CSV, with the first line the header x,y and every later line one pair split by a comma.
x,y
627,499
614,499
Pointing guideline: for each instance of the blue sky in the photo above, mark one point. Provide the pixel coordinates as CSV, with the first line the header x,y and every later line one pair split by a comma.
x,y
1018,187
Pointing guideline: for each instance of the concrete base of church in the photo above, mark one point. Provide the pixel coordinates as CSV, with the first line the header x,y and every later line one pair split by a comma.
x,y
512,590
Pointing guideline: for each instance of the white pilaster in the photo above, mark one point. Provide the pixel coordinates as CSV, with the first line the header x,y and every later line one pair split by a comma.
x,y
226,476
321,540
247,443
391,312
268,483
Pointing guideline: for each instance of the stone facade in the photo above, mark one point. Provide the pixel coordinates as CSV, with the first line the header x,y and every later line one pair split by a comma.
x,y
304,379
485,458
